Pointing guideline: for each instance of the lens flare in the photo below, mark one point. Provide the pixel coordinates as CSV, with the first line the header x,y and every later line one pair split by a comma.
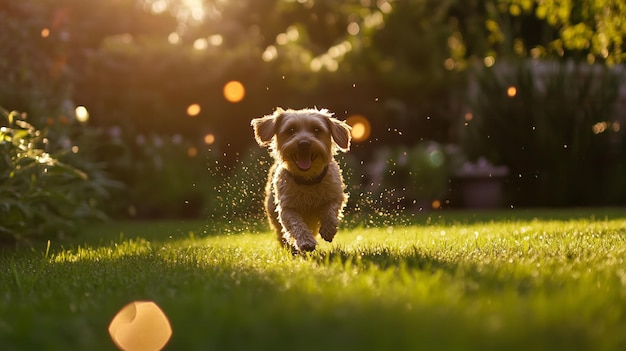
x,y
361,128
234,91
193,110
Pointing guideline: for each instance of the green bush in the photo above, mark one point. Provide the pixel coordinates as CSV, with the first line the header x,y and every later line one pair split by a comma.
x,y
541,120
40,196
405,177
165,176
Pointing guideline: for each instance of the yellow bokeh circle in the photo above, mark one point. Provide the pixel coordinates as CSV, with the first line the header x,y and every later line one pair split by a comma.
x,y
234,91
361,128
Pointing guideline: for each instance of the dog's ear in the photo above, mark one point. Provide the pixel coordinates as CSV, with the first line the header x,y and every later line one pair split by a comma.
x,y
340,132
265,127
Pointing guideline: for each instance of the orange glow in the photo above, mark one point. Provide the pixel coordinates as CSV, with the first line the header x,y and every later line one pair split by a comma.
x,y
511,91
193,110
361,128
599,127
140,325
45,33
436,204
469,116
192,152
234,91
209,139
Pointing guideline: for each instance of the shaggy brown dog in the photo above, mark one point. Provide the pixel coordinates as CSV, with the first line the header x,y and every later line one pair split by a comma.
x,y
305,190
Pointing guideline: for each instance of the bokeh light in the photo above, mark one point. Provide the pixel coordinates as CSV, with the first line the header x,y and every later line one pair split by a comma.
x,y
209,139
436,204
511,91
192,152
599,127
140,325
193,110
234,91
200,44
361,128
353,28
269,54
216,40
489,61
173,38
45,33
436,157
82,115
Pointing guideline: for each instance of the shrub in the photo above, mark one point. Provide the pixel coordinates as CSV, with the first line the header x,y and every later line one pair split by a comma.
x,y
540,119
40,196
404,177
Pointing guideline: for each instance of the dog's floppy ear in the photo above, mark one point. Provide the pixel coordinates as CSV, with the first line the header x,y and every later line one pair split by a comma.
x,y
265,127
340,132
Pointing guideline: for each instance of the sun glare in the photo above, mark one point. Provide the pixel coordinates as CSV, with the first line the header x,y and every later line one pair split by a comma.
x,y
234,91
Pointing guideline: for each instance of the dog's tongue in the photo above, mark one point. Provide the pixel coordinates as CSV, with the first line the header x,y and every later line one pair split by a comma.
x,y
304,162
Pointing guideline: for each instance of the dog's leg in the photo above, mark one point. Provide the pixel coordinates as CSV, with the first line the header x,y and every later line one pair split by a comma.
x,y
272,215
294,226
328,227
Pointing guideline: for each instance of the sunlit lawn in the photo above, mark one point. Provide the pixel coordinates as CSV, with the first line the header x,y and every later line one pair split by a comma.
x,y
517,280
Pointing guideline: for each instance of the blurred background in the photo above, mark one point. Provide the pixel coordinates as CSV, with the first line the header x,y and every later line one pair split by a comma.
x,y
453,104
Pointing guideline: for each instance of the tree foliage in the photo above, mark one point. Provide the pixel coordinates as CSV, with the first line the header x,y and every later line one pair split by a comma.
x,y
590,30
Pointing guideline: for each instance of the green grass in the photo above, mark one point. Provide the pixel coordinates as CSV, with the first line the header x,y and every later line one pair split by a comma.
x,y
516,280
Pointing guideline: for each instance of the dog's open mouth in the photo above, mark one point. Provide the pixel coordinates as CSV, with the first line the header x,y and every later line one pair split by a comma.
x,y
304,160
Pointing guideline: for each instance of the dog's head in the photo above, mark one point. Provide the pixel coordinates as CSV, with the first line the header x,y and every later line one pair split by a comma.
x,y
304,140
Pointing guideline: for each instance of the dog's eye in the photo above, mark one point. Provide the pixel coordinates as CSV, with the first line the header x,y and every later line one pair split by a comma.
x,y
316,130
291,130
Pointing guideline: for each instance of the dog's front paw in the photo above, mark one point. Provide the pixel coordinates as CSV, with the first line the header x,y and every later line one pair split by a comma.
x,y
328,231
306,244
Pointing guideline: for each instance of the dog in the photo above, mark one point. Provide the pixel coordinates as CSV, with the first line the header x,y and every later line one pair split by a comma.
x,y
305,192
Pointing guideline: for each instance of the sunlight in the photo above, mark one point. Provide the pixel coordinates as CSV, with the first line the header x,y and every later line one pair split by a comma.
x,y
234,91
193,110
361,128
186,11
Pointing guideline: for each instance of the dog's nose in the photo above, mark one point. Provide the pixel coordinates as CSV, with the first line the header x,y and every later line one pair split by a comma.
x,y
304,144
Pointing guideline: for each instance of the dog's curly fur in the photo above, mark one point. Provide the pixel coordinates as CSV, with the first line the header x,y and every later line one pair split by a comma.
x,y
305,190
